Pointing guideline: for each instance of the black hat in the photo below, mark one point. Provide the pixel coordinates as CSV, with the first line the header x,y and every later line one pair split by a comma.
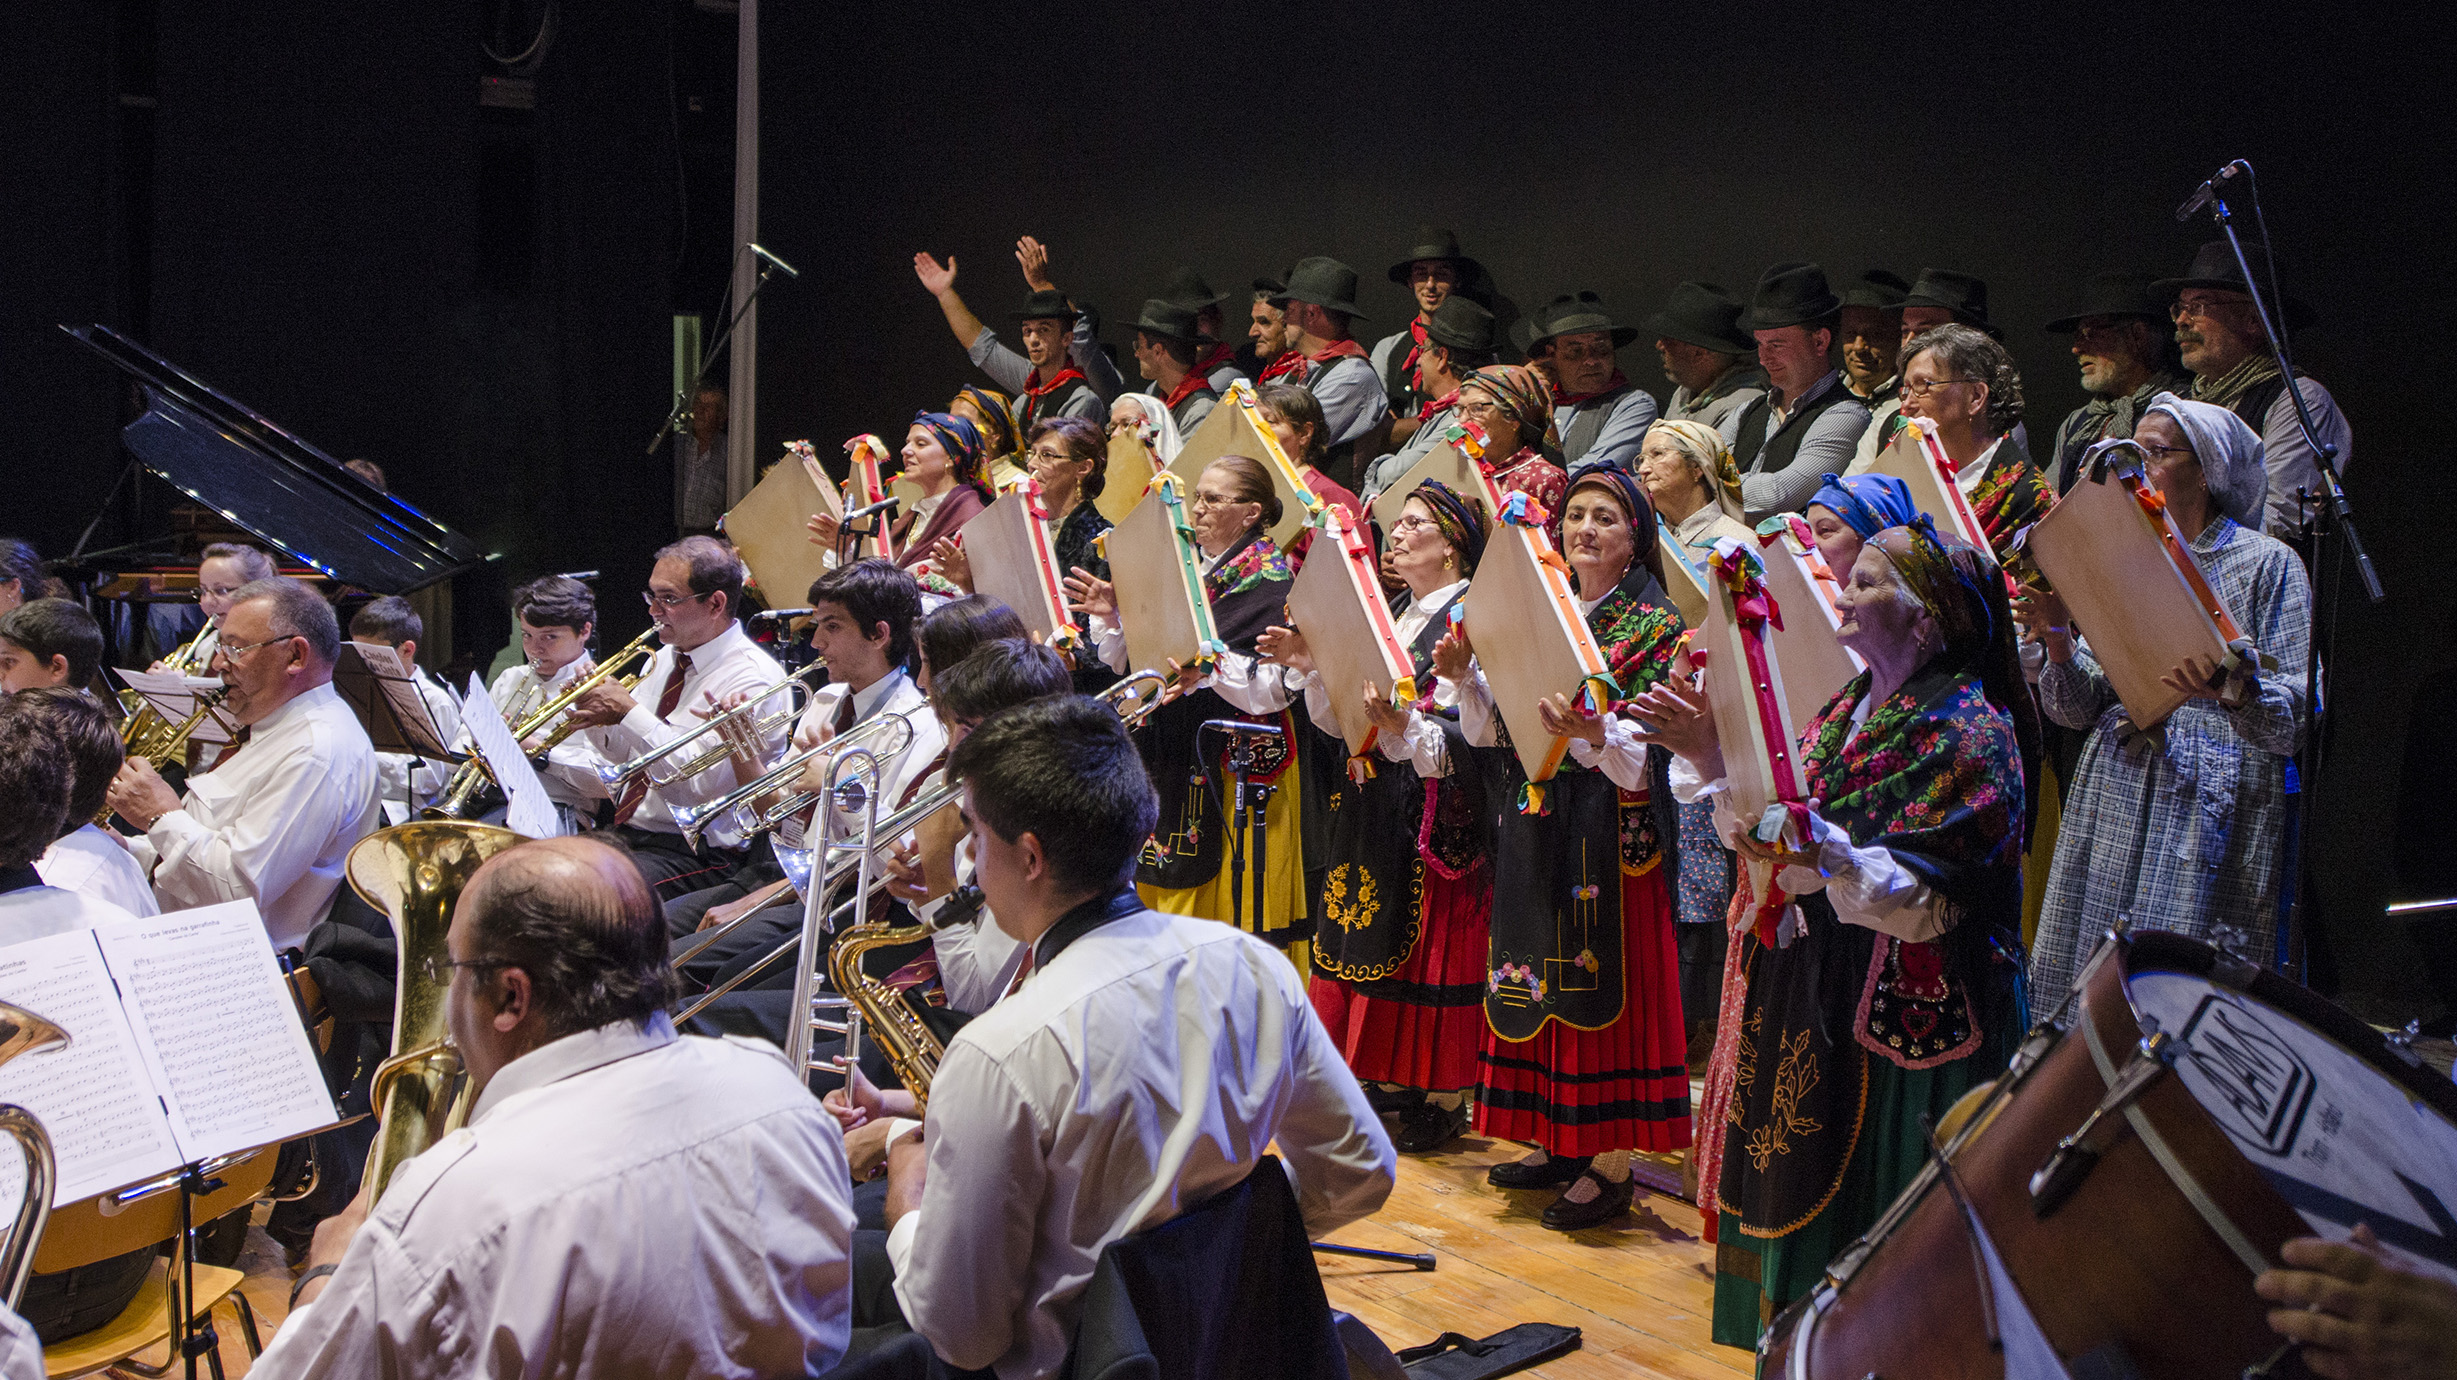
x,y
1579,313
1046,305
2214,267
2114,294
1790,294
1187,289
1704,315
1435,244
1877,288
1459,324
1960,293
1327,283
1168,321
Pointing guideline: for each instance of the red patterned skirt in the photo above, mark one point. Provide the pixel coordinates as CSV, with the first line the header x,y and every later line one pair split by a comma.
x,y
1421,1026
1624,1087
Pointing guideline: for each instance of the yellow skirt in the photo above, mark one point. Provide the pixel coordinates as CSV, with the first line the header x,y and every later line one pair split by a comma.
x,y
1281,885
2042,850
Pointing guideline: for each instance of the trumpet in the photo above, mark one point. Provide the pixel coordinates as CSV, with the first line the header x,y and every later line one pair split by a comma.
x,y
144,725
1131,707
158,740
473,774
743,717
895,728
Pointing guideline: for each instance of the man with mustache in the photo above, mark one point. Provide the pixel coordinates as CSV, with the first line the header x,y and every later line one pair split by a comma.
x,y
2127,357
1711,361
1873,335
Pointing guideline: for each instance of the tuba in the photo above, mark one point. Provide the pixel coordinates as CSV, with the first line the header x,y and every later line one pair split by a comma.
x,y
414,873
23,1032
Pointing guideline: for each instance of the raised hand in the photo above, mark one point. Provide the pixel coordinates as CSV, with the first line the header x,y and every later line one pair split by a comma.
x,y
948,559
1033,256
1091,595
938,280
1285,647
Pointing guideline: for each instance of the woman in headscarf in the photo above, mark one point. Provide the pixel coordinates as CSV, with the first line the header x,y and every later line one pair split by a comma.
x,y
1892,983
943,457
1846,512
1514,406
1184,869
1583,1049
1691,479
992,413
1154,424
1399,953
2180,828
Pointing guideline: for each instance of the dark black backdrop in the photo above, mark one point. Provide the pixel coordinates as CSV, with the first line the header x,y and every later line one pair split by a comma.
x,y
314,211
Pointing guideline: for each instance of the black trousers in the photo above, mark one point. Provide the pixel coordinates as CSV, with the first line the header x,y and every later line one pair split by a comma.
x,y
884,1346
673,867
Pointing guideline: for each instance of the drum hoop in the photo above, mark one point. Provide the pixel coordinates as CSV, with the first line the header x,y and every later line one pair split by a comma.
x,y
2162,951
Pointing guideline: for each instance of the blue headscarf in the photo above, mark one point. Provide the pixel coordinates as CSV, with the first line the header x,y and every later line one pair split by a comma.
x,y
1868,503
967,453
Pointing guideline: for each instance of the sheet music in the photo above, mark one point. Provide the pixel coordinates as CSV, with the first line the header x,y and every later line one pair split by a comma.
x,y
95,1097
397,682
218,1028
530,813
173,696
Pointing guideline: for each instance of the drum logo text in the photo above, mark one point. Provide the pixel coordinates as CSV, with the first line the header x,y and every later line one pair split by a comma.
x,y
2256,1083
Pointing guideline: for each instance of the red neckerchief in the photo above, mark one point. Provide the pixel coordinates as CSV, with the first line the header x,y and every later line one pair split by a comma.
x,y
1443,403
1222,353
1033,395
1287,362
1416,350
1615,384
1186,388
1303,365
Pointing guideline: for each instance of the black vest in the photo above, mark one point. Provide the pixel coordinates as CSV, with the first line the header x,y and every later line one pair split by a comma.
x,y
1779,450
1589,424
2253,403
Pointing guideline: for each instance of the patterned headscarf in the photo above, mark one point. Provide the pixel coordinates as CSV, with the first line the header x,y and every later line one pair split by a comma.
x,y
2229,452
998,433
1712,459
966,453
1963,589
1867,503
1459,518
1524,397
1625,490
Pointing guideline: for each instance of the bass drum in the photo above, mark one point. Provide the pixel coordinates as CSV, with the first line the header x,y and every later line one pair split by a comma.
x,y
2273,1114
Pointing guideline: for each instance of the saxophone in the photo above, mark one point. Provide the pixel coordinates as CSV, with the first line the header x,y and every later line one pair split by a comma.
x,y
911,1049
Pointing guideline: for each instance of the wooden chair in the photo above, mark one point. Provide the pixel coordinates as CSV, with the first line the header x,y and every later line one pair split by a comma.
x,y
81,1234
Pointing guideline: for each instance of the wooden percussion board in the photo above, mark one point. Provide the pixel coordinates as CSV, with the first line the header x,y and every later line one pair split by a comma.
x,y
1338,605
2134,590
1916,458
1013,562
1162,604
1815,662
1126,477
1682,582
1752,711
1456,460
1531,640
866,484
1236,427
767,526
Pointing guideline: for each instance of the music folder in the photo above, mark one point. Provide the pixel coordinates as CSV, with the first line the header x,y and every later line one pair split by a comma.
x,y
185,1044
174,696
383,690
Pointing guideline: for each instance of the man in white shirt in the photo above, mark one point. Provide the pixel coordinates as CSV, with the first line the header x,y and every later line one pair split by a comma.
x,y
87,859
275,819
623,1201
38,781
694,592
408,784
556,615
1143,1065
48,642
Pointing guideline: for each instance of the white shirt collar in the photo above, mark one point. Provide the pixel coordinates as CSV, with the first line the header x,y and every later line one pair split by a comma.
x,y
727,643
573,1054
300,706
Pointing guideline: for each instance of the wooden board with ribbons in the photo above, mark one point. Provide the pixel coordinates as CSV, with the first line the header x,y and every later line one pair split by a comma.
x,y
1531,639
1013,562
1815,661
1456,460
1337,604
1744,683
1163,606
1236,427
1126,477
1918,459
767,526
865,484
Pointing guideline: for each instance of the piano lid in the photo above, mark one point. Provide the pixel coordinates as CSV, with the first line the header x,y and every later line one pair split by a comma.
x,y
235,461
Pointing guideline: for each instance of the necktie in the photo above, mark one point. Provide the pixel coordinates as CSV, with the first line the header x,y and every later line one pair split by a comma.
x,y
844,715
1022,971
667,698
238,740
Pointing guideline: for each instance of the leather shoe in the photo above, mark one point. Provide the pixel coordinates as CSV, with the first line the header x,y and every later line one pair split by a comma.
x,y
1429,1128
1553,1173
1614,1200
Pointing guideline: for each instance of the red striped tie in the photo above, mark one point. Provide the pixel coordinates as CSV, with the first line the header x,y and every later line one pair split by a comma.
x,y
667,698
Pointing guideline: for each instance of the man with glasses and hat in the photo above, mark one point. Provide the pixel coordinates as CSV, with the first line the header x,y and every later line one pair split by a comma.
x,y
1459,340
2219,333
277,816
1433,271
1710,360
1324,359
1872,335
2127,357
1601,415
1807,425
1044,381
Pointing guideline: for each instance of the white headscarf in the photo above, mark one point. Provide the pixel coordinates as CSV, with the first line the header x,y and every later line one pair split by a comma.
x,y
2229,452
1161,434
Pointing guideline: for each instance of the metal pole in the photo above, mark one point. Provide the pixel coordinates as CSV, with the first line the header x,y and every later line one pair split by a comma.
x,y
742,366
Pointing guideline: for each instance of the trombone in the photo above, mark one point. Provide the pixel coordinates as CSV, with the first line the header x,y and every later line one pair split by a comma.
x,y
897,728
742,717
1132,704
473,774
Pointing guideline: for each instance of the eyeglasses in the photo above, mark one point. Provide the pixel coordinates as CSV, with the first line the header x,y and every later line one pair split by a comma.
x,y
1410,522
2162,452
1048,456
217,591
662,602
232,651
1927,386
1203,500
1482,407
2182,308
439,970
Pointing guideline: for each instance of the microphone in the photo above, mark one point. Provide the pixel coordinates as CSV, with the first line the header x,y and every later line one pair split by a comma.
x,y
1241,729
867,509
777,615
2202,195
788,269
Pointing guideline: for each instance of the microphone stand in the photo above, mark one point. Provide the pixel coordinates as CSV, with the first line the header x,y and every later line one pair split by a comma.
x,y
708,357
2336,515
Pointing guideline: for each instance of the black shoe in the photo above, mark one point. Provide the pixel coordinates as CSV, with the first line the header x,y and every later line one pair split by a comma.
x,y
1429,1128
1393,1101
1615,1199
1555,1172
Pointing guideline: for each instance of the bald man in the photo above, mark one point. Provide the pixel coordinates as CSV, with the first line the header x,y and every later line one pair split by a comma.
x,y
624,1201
